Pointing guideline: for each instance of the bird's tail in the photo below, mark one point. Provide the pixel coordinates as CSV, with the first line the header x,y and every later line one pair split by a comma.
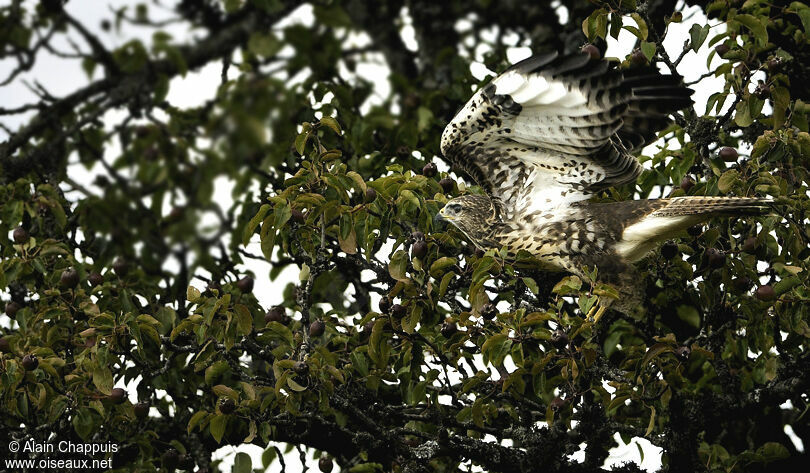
x,y
706,207
678,213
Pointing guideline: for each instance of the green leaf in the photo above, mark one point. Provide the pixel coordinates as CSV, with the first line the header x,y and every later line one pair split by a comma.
x,y
279,332
301,141
757,26
215,371
192,294
532,285
655,350
409,323
648,49
195,420
398,266
742,115
242,463
689,314
567,285
651,425
217,426
332,124
781,101
292,384
643,31
772,451
244,320
103,379
83,422
728,180
253,223
698,36
441,263
224,391
347,239
264,44
804,15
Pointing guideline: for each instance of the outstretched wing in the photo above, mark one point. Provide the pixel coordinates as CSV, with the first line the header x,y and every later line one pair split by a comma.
x,y
552,129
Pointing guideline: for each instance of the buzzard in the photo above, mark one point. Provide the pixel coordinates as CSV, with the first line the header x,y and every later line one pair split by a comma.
x,y
548,134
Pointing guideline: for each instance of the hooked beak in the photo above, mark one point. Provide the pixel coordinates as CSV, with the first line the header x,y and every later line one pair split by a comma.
x,y
439,219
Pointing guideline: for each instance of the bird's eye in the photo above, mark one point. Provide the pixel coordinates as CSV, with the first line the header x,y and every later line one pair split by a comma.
x,y
455,208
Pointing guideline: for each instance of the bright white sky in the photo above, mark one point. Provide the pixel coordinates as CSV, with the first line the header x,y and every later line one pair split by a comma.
x,y
61,77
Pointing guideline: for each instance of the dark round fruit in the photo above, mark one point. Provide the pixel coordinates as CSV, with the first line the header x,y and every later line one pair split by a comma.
x,y
683,353
275,314
297,216
301,367
121,267
398,311
227,406
638,58
316,328
557,403
95,279
722,49
12,307
371,195
559,339
728,154
419,249
669,250
765,293
687,183
741,284
245,284
175,214
141,410
118,395
105,25
367,328
186,463
429,170
20,235
325,464
417,236
762,91
773,64
385,305
30,362
750,245
403,151
695,230
69,278
592,51
449,329
5,345
170,459
489,311
125,456
716,258
447,184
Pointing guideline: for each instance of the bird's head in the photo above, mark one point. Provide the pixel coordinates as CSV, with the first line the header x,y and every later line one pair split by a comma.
x,y
471,214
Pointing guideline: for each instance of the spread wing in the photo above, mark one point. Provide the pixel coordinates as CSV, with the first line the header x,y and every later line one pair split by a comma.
x,y
552,129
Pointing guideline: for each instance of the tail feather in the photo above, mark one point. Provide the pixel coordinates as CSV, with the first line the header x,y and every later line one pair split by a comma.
x,y
675,214
714,206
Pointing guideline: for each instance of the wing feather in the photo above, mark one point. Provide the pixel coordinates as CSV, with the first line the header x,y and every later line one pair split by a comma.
x,y
552,130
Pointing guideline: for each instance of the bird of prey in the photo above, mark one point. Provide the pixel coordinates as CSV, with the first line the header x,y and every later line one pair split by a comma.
x,y
548,134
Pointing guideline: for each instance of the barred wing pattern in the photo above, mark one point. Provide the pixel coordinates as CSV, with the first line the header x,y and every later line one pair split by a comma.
x,y
552,130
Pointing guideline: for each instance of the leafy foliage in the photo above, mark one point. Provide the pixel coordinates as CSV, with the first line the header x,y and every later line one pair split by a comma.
x,y
399,346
